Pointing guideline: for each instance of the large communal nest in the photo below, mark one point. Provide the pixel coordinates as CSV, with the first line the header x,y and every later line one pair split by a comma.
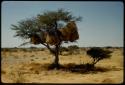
x,y
53,37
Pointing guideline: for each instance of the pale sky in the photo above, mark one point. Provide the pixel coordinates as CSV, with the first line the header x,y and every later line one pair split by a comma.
x,y
102,23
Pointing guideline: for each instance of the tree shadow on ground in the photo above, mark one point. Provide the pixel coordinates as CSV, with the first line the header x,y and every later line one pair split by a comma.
x,y
80,68
71,67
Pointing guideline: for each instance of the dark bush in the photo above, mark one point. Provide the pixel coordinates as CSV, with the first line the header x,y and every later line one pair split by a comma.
x,y
64,49
98,54
73,47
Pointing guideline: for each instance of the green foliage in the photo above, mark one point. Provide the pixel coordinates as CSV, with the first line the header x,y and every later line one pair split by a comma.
x,y
50,17
73,47
47,20
25,28
98,54
64,49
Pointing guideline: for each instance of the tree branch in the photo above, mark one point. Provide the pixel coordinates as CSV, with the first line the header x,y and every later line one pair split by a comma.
x,y
50,49
96,60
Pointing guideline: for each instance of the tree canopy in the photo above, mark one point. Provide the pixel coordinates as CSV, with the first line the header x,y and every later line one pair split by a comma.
x,y
47,20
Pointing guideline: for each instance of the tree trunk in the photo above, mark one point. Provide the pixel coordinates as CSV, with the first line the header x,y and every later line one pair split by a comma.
x,y
95,61
56,61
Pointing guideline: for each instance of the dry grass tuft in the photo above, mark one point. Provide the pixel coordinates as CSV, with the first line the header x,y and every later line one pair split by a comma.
x,y
3,72
17,76
107,80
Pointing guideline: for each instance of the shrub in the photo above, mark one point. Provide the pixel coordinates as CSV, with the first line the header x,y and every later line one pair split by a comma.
x,y
62,49
5,49
73,49
98,54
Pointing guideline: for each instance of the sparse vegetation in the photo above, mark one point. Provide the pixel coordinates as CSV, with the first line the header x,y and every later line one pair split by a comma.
x,y
73,49
17,76
63,49
71,69
32,59
70,50
32,56
98,54
3,72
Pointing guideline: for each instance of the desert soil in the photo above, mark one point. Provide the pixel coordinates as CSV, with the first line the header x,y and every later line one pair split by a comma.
x,y
22,66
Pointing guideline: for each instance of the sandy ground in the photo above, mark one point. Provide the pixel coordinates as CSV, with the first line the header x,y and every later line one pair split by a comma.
x,y
22,66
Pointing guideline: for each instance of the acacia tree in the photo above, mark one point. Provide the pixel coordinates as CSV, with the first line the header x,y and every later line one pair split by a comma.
x,y
48,20
98,54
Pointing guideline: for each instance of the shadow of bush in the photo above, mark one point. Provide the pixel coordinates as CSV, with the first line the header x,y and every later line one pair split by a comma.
x,y
79,68
71,67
